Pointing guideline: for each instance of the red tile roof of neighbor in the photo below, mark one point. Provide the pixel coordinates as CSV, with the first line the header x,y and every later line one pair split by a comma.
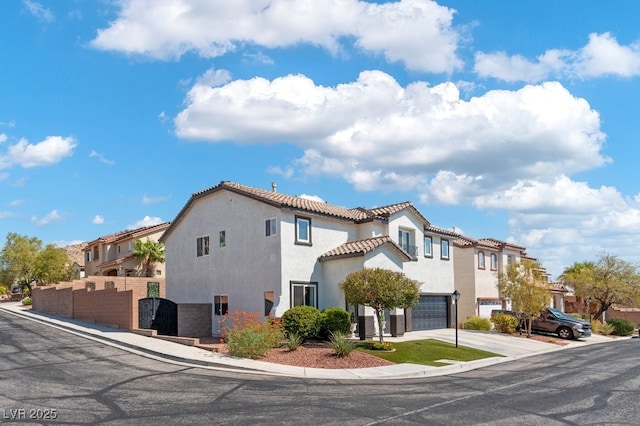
x,y
129,233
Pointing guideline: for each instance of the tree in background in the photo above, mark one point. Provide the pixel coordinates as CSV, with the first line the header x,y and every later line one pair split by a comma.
x,y
526,286
380,289
149,252
24,262
607,281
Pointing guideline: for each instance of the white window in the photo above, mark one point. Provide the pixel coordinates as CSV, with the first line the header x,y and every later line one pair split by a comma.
x,y
303,230
270,227
494,262
202,246
480,260
304,294
220,304
89,256
130,245
405,238
510,259
444,249
428,246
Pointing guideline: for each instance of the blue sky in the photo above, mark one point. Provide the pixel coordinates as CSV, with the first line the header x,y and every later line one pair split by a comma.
x,y
510,120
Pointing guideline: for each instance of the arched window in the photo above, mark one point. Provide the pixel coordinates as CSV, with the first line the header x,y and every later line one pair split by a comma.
x,y
480,260
494,262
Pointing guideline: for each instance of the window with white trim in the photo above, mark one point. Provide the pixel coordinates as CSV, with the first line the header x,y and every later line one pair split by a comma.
x,y
303,230
494,262
202,246
304,294
220,304
481,260
270,227
444,249
428,246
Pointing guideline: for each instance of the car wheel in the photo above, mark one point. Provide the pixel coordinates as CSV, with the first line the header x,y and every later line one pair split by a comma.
x,y
565,333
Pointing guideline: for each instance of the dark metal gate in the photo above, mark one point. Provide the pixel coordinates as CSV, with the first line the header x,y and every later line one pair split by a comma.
x,y
158,314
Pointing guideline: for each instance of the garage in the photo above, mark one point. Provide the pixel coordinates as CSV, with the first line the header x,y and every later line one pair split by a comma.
x,y
431,312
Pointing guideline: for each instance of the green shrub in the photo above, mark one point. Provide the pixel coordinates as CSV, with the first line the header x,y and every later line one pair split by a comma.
x,y
377,346
27,301
606,329
341,344
3,290
247,336
505,323
305,321
622,327
335,320
477,323
293,341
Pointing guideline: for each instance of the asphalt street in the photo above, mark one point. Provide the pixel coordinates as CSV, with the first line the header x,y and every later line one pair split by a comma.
x,y
46,371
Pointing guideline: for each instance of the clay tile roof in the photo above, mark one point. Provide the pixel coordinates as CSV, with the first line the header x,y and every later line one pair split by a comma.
x,y
129,233
288,201
442,231
361,247
386,211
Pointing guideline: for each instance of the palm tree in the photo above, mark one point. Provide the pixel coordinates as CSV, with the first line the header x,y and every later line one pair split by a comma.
x,y
150,252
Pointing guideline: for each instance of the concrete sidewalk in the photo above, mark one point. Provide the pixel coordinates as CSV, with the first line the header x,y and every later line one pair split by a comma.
x,y
509,347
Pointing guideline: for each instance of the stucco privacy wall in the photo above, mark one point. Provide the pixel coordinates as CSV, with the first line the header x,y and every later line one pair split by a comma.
x,y
194,319
109,307
631,314
53,301
99,282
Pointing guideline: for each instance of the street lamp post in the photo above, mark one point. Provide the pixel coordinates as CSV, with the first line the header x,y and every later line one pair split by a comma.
x,y
456,297
589,308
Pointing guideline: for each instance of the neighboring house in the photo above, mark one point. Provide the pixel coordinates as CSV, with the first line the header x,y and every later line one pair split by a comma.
x,y
112,254
254,250
477,265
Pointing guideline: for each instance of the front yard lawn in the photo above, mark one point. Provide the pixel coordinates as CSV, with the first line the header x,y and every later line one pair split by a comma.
x,y
427,352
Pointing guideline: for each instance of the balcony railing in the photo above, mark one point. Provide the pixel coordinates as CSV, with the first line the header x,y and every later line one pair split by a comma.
x,y
412,250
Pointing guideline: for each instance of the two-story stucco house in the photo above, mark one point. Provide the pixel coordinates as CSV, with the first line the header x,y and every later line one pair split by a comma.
x,y
257,250
477,263
112,254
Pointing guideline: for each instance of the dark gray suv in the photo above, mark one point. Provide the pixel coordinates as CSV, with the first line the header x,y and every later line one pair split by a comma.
x,y
565,326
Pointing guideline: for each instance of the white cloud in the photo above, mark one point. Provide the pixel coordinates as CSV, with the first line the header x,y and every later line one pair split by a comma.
x,y
40,12
3,137
146,221
16,203
577,223
50,217
507,150
98,219
601,56
417,33
102,158
154,200
5,214
377,134
47,152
